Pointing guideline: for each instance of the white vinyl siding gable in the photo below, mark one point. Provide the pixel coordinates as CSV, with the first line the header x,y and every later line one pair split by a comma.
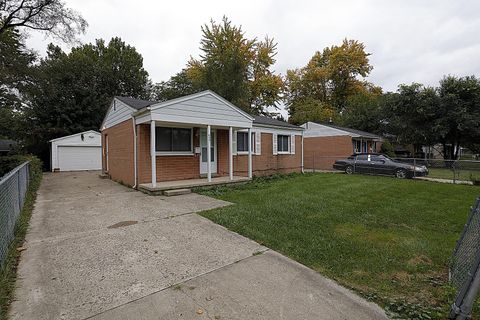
x,y
204,109
117,113
317,130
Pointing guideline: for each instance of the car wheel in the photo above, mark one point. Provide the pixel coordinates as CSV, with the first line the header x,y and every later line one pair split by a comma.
x,y
348,169
401,174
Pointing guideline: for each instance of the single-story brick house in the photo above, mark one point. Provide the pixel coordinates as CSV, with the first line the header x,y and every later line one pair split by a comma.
x,y
177,149
325,143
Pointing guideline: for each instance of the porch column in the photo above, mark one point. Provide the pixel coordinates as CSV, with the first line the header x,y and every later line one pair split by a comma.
x,y
152,153
209,154
250,153
230,152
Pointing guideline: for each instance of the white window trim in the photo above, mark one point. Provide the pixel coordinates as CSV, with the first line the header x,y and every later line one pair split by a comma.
x,y
289,144
243,153
177,153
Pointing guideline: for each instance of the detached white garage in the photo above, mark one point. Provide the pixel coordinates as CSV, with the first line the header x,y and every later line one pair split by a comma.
x,y
80,151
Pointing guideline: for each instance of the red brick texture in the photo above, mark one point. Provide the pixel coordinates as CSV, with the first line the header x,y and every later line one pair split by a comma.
x,y
321,152
120,152
168,167
264,164
121,157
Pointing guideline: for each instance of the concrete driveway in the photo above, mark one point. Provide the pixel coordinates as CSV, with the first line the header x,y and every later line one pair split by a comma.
x,y
98,250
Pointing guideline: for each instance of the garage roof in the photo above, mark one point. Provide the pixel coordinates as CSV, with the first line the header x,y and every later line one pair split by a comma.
x,y
75,134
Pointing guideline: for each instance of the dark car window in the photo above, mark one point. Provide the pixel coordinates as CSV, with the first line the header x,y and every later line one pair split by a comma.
x,y
379,158
362,157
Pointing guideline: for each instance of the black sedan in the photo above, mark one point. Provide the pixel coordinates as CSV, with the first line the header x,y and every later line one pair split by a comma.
x,y
379,164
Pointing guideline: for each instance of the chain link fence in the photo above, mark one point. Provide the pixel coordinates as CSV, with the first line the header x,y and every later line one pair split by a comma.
x,y
465,266
13,187
457,171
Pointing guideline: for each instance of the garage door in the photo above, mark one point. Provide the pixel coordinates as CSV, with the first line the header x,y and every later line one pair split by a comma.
x,y
79,158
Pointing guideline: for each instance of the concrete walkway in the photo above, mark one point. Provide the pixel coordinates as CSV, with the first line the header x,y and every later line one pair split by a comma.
x,y
98,250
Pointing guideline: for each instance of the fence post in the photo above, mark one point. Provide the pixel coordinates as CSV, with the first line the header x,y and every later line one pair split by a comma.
x,y
414,167
454,172
467,304
19,191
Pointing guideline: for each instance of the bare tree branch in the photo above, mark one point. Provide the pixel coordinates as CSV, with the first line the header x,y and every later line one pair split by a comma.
x,y
50,16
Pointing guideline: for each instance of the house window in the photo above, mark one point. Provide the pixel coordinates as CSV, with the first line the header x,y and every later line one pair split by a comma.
x,y
173,140
242,141
283,143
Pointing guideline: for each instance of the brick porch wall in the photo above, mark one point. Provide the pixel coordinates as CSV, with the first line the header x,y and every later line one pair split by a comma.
x,y
264,164
168,167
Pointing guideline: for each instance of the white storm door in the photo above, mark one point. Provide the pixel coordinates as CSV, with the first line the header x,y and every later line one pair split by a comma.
x,y
203,152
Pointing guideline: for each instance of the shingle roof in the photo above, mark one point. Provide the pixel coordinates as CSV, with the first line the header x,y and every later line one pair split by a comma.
x,y
354,131
262,120
135,103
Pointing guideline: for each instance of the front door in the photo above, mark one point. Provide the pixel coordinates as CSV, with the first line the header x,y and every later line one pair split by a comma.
x,y
203,152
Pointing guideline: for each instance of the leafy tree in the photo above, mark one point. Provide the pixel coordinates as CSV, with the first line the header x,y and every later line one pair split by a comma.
x,y
412,114
459,113
179,85
330,78
387,149
15,63
449,114
237,68
72,91
50,16
364,111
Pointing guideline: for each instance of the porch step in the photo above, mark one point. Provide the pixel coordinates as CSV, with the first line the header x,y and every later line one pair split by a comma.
x,y
176,192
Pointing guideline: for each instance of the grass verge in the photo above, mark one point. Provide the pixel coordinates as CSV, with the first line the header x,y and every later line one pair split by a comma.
x,y
388,239
8,271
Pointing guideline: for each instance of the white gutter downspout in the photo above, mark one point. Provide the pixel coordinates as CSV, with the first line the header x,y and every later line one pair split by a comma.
x,y
134,153
302,151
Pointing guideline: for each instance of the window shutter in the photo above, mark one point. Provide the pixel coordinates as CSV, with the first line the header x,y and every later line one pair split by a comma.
x,y
274,143
258,143
292,144
234,142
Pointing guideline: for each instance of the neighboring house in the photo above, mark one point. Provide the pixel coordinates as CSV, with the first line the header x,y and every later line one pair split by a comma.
x,y
324,143
6,146
147,142
76,152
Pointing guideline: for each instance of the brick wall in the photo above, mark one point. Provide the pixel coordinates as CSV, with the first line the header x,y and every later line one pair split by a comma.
x,y
168,167
321,152
120,152
264,164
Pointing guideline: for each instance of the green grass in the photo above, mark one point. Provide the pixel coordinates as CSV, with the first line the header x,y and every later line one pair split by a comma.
x,y
388,239
8,271
444,173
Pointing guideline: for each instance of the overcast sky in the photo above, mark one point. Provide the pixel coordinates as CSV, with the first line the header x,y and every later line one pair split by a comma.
x,y
409,40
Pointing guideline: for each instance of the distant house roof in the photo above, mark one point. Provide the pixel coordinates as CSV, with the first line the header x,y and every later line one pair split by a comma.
x,y
354,131
7,145
262,120
313,129
136,103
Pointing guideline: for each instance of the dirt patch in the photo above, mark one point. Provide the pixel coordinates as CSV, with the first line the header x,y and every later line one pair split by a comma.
x,y
402,277
419,260
122,224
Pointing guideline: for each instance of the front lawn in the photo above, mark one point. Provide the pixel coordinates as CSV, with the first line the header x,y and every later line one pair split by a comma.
x,y
388,239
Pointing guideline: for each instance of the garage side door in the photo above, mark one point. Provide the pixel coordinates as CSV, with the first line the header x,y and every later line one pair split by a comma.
x,y
72,158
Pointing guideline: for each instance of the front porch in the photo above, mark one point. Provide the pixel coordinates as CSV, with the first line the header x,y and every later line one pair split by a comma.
x,y
189,183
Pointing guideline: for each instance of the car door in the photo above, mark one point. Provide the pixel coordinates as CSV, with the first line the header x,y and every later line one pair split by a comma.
x,y
379,165
362,165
